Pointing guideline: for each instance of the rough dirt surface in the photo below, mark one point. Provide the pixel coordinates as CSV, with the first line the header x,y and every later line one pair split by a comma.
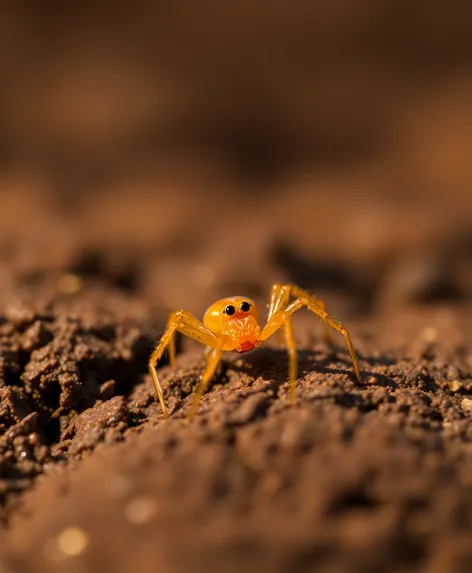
x,y
353,478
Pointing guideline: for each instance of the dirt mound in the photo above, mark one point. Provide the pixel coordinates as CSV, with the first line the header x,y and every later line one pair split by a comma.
x,y
351,479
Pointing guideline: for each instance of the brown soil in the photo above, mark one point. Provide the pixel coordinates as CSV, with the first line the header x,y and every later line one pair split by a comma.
x,y
353,478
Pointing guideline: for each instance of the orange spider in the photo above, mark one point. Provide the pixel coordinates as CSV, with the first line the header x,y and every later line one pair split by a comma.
x,y
231,324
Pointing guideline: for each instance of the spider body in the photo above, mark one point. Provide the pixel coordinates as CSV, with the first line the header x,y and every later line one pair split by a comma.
x,y
235,321
232,324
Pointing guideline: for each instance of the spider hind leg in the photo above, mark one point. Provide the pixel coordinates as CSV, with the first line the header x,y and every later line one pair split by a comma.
x,y
281,310
330,321
213,359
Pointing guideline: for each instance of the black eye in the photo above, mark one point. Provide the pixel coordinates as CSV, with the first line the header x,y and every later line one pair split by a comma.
x,y
230,309
245,306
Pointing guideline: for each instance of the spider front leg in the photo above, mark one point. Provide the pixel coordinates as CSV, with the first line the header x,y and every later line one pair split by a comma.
x,y
184,322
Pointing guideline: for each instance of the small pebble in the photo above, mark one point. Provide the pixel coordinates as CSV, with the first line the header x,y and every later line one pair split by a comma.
x,y
455,385
466,404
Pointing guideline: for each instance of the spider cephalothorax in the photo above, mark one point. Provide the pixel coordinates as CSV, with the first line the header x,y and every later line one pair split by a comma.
x,y
236,321
232,324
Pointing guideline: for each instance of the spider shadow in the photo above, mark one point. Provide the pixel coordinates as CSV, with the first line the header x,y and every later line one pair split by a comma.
x,y
273,363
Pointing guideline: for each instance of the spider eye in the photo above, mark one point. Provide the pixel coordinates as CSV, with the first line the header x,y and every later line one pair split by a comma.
x,y
245,306
230,309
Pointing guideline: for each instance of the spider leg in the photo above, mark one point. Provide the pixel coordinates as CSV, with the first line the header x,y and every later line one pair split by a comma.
x,y
184,322
298,292
213,357
171,346
280,338
279,299
292,356
330,321
279,315
273,325
280,296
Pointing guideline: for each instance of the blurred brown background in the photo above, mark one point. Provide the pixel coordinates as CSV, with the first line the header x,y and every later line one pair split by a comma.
x,y
229,144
